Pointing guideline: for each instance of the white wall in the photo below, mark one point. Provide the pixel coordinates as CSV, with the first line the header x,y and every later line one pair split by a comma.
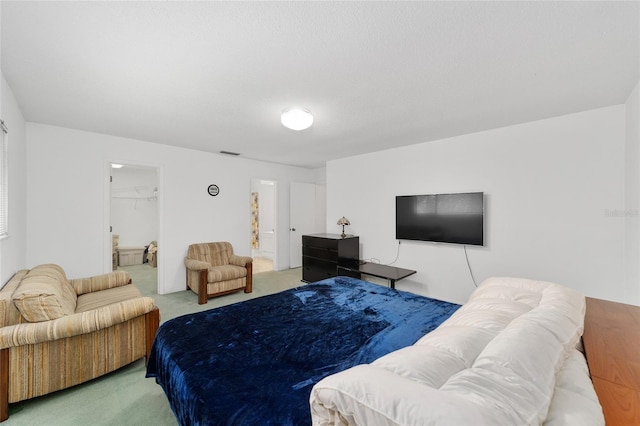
x,y
552,188
134,206
632,197
13,249
66,189
321,199
266,213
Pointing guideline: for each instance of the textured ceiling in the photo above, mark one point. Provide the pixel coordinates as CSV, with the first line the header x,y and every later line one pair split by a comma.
x,y
215,76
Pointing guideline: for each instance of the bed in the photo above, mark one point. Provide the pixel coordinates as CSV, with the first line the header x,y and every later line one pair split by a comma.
x,y
255,362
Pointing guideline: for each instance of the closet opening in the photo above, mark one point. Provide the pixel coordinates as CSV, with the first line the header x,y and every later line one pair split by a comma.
x,y
134,228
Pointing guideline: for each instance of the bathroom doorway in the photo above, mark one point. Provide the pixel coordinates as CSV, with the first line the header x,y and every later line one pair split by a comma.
x,y
263,225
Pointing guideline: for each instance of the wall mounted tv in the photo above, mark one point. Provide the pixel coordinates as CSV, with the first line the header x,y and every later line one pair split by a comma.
x,y
441,218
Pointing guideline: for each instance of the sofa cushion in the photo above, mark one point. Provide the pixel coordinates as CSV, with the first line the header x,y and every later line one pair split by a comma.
x,y
41,299
45,294
225,272
9,314
98,299
57,273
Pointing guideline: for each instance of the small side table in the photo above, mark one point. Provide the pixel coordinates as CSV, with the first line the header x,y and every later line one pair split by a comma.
x,y
390,273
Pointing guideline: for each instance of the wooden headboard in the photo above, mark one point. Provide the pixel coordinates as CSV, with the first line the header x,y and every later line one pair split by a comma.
x,y
612,346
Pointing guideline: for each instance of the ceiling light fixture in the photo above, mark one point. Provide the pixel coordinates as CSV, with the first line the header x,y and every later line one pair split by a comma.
x,y
296,118
116,166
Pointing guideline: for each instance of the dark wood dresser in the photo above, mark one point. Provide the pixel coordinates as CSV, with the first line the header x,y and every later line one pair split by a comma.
x,y
612,346
322,253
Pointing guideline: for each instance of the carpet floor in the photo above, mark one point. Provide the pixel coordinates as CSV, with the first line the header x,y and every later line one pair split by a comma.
x,y
125,396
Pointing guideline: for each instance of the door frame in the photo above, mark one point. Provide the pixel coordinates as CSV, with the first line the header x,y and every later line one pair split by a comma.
x,y
107,249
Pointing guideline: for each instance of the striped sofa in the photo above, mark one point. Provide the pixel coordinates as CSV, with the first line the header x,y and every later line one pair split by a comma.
x,y
56,333
213,270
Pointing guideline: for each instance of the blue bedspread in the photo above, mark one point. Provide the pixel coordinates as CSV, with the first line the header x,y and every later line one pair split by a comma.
x,y
255,362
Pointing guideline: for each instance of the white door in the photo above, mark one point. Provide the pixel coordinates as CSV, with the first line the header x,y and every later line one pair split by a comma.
x,y
302,219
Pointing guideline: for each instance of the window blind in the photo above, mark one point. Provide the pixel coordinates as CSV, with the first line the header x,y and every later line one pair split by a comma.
x,y
4,184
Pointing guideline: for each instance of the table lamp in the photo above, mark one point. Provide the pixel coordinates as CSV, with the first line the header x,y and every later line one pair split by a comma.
x,y
343,221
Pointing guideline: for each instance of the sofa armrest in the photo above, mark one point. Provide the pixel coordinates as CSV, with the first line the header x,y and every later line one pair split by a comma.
x,y
240,260
76,324
100,282
195,264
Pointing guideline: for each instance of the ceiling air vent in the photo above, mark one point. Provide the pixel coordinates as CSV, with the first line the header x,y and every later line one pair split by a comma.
x,y
230,153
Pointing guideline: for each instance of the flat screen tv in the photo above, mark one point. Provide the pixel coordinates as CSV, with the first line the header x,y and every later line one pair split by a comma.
x,y
441,218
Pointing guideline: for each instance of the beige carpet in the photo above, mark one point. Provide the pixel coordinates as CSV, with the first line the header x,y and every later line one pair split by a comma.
x,y
126,397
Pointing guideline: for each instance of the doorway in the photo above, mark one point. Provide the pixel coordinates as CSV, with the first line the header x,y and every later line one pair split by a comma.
x,y
134,218
263,225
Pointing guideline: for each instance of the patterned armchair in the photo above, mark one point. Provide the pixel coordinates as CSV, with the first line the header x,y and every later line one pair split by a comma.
x,y
213,270
56,333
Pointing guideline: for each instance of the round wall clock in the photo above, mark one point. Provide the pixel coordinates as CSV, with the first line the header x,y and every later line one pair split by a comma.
x,y
213,190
